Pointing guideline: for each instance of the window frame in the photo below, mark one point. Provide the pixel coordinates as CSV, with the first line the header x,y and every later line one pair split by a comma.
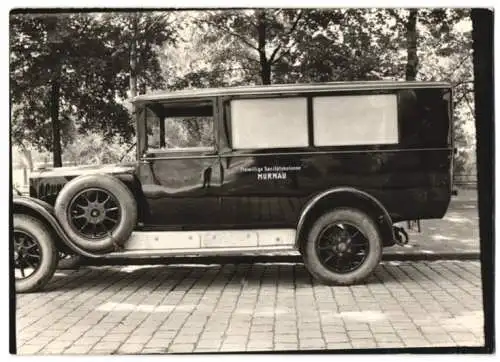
x,y
355,146
227,120
187,152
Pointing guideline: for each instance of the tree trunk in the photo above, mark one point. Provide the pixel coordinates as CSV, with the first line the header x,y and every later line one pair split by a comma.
x,y
265,72
133,58
265,65
162,133
55,40
411,41
56,124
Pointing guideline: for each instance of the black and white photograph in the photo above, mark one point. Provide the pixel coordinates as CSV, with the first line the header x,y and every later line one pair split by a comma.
x,y
242,180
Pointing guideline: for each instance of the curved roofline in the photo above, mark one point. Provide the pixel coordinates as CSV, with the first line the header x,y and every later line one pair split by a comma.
x,y
285,89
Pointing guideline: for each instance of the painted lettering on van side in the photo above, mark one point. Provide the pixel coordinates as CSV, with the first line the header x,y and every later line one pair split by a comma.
x,y
271,176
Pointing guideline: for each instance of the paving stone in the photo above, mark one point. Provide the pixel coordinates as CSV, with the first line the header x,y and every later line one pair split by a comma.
x,y
261,328
264,344
286,347
206,350
107,345
357,327
261,336
359,334
78,350
50,351
339,345
58,344
181,348
31,348
312,343
387,337
285,338
87,340
215,342
462,337
336,338
439,338
138,339
363,343
235,340
158,342
153,350
115,337
387,344
416,342
228,347
131,348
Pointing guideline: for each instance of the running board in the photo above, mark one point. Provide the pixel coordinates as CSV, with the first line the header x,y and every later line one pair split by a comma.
x,y
200,243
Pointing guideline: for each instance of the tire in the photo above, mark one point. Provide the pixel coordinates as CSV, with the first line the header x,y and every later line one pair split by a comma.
x,y
68,261
340,223
30,229
110,199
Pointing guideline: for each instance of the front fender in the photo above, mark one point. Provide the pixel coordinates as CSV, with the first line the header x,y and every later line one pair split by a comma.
x,y
346,196
45,212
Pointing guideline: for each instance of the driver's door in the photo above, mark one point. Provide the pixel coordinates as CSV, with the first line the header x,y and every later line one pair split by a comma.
x,y
180,169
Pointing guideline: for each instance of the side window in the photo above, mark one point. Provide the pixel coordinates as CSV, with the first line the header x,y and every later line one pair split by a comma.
x,y
180,127
269,123
355,120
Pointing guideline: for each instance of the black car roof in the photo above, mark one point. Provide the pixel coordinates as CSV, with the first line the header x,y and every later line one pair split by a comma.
x,y
284,89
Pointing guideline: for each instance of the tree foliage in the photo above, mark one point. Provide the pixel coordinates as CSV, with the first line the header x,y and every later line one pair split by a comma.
x,y
88,56
100,59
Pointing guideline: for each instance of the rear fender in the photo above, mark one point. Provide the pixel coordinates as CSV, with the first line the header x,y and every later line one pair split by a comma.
x,y
345,197
45,212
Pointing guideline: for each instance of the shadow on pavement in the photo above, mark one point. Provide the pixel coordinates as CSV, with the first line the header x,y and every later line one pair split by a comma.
x,y
174,278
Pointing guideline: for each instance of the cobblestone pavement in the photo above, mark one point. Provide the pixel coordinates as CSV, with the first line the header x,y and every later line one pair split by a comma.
x,y
259,307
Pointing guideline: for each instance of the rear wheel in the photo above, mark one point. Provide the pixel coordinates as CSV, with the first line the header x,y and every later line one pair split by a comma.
x,y
35,255
343,247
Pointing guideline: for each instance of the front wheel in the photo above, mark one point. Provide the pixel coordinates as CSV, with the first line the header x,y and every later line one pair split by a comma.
x,y
35,255
343,247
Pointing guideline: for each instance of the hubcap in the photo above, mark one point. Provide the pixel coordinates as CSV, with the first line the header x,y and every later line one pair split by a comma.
x,y
341,247
94,213
27,254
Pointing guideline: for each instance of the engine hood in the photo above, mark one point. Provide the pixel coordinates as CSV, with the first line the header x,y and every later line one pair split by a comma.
x,y
45,184
74,171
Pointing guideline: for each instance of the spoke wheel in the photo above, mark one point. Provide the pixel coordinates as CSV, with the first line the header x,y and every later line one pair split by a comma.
x,y
94,213
27,254
98,212
35,255
341,247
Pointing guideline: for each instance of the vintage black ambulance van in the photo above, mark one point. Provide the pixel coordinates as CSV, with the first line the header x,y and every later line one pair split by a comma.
x,y
325,169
